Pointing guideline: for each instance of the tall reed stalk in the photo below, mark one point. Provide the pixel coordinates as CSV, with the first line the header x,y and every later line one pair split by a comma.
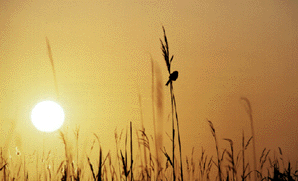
x,y
168,60
249,112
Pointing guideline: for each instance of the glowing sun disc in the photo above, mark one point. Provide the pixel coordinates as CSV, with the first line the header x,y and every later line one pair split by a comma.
x,y
47,116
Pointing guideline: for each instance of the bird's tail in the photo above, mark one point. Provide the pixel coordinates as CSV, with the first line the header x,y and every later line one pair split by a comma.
x,y
168,82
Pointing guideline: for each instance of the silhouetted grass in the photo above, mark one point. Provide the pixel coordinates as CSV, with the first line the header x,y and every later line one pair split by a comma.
x,y
168,60
219,158
145,164
249,112
199,167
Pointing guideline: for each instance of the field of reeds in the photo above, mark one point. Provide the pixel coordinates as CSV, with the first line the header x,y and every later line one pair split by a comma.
x,y
148,159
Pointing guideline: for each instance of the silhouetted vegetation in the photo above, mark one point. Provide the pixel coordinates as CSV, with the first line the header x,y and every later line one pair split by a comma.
x,y
228,165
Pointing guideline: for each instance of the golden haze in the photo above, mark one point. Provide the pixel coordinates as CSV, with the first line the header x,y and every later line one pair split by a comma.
x,y
223,50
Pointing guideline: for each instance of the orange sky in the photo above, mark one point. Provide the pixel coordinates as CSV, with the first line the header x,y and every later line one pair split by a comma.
x,y
101,49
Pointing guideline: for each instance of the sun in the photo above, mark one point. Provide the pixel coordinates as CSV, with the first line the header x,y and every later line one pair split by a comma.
x,y
47,116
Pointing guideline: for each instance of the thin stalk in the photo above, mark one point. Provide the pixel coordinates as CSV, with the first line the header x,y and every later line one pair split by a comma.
x,y
217,149
125,161
179,141
173,128
243,157
131,160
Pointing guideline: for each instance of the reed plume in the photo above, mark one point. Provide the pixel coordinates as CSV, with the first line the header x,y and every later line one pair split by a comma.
x,y
249,112
168,60
52,65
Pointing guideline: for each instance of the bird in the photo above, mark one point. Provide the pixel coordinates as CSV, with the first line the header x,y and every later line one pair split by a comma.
x,y
173,76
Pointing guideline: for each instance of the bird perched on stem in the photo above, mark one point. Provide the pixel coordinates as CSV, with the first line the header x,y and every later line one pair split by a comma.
x,y
172,77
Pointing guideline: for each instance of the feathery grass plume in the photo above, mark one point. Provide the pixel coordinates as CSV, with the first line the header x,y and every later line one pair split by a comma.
x,y
165,50
217,150
144,140
53,67
249,112
168,60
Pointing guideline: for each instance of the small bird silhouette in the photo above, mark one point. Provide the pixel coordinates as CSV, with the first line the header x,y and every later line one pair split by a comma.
x,y
172,77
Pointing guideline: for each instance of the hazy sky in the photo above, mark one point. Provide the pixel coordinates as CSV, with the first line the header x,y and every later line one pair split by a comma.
x,y
101,49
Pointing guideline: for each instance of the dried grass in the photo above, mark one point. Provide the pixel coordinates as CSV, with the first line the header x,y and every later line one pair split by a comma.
x,y
147,164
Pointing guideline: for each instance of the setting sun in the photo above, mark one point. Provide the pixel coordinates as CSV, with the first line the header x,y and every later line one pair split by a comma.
x,y
47,116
